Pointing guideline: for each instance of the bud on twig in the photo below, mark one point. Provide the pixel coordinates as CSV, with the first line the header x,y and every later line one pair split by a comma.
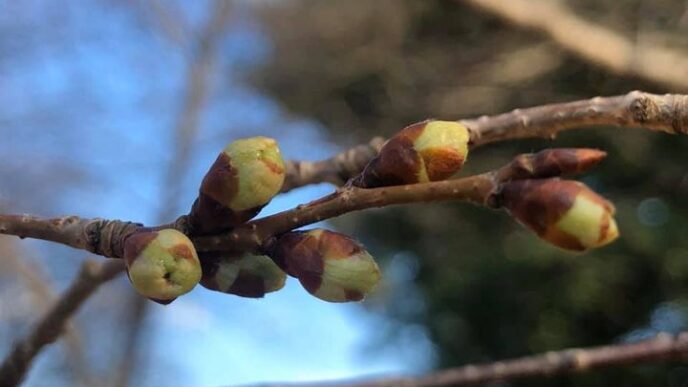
x,y
161,265
329,265
422,152
247,276
551,163
243,179
565,213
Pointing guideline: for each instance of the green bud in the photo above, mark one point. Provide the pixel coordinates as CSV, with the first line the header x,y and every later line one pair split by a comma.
x,y
161,265
565,213
246,175
329,265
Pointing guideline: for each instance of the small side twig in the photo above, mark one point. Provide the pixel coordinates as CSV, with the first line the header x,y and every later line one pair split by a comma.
x,y
336,170
15,366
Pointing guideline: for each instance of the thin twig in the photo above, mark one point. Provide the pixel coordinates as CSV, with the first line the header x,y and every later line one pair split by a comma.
x,y
15,366
593,42
336,170
252,235
659,349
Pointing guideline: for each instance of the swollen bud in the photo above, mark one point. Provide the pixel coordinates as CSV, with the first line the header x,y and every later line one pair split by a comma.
x,y
243,179
329,265
422,152
565,213
161,265
247,276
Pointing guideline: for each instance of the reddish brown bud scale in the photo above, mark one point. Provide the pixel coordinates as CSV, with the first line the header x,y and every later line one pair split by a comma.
x,y
329,265
425,151
552,163
245,276
565,213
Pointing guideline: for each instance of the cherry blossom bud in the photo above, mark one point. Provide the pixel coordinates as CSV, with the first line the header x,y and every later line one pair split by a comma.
x,y
243,179
422,152
565,213
329,265
247,276
161,265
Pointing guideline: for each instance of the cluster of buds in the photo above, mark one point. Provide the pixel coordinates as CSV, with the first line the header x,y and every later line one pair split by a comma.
x,y
565,213
329,265
243,179
422,152
161,265
246,276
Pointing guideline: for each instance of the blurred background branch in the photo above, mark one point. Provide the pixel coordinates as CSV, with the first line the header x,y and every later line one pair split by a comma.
x,y
199,79
592,42
13,369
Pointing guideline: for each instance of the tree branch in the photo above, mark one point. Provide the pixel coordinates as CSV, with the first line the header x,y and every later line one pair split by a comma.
x,y
592,42
665,113
15,366
336,170
661,348
662,113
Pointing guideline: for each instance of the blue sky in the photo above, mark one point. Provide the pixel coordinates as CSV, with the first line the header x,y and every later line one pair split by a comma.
x,y
89,86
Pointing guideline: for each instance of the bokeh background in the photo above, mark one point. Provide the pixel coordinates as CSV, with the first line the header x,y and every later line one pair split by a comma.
x,y
116,109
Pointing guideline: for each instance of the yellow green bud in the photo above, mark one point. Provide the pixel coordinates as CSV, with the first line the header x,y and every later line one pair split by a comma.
x,y
329,265
246,175
565,213
422,152
161,265
246,276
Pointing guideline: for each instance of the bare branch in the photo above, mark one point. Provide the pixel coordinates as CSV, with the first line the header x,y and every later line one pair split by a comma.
x,y
92,275
663,113
99,236
336,170
662,348
592,42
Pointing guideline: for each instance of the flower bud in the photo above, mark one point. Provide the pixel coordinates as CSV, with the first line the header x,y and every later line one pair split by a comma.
x,y
551,163
329,265
161,265
245,176
565,213
247,276
422,152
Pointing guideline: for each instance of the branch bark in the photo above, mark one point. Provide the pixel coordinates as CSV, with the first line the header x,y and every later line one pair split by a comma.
x,y
15,366
336,170
592,42
661,348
